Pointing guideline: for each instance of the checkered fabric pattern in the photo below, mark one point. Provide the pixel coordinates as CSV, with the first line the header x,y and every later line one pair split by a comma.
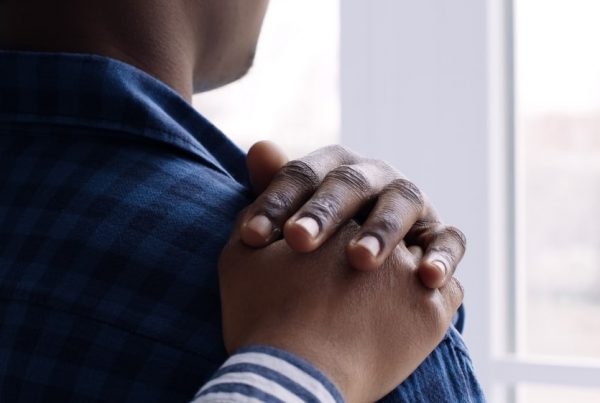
x,y
116,198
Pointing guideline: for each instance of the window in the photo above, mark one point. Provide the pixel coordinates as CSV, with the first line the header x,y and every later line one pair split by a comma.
x,y
557,71
551,302
553,393
291,95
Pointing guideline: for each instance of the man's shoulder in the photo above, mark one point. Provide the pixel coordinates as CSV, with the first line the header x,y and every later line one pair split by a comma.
x,y
116,195
122,232
100,174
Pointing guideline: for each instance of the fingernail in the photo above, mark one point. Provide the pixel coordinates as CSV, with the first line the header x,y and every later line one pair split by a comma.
x,y
440,265
370,243
261,225
310,225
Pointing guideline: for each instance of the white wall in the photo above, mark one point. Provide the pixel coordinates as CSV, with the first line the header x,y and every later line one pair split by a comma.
x,y
291,94
414,82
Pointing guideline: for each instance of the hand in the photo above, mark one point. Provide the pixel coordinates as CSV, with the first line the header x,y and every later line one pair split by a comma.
x,y
367,331
309,199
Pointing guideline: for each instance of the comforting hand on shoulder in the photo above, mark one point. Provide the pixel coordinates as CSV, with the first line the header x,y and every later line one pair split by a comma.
x,y
366,330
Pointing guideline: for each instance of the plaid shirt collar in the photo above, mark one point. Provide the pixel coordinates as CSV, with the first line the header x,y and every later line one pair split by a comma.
x,y
108,95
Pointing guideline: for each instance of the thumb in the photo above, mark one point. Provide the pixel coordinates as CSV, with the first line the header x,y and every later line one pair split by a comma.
x,y
264,160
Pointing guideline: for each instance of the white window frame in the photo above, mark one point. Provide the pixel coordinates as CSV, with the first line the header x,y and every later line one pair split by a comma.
x,y
428,85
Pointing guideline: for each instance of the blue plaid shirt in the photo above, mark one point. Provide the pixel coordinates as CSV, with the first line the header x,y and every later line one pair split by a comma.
x,y
116,198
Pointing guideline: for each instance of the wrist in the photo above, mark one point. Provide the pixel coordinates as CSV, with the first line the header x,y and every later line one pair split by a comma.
x,y
293,366
336,369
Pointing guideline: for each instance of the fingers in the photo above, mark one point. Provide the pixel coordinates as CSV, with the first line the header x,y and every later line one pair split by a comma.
x,y
291,187
310,198
444,249
344,191
399,206
264,160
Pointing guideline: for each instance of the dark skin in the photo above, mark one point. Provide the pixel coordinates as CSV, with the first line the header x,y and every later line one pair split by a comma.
x,y
198,45
192,46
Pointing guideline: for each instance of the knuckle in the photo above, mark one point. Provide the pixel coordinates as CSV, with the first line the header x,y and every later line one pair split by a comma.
x,y
300,173
457,235
325,208
350,177
338,149
427,224
422,232
341,151
386,223
384,166
275,203
423,236
408,191
444,251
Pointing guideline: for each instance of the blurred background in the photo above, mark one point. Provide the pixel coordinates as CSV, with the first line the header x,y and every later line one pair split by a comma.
x,y
292,93
493,109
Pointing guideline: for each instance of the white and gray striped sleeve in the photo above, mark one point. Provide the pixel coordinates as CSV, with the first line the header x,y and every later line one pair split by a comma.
x,y
266,374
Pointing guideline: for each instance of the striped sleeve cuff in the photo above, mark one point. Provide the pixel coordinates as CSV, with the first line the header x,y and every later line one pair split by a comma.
x,y
266,374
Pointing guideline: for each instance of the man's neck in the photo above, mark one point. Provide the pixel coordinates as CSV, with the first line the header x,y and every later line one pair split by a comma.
x,y
155,38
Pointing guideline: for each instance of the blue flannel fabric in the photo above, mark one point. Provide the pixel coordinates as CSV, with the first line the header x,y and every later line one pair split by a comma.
x,y
116,198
